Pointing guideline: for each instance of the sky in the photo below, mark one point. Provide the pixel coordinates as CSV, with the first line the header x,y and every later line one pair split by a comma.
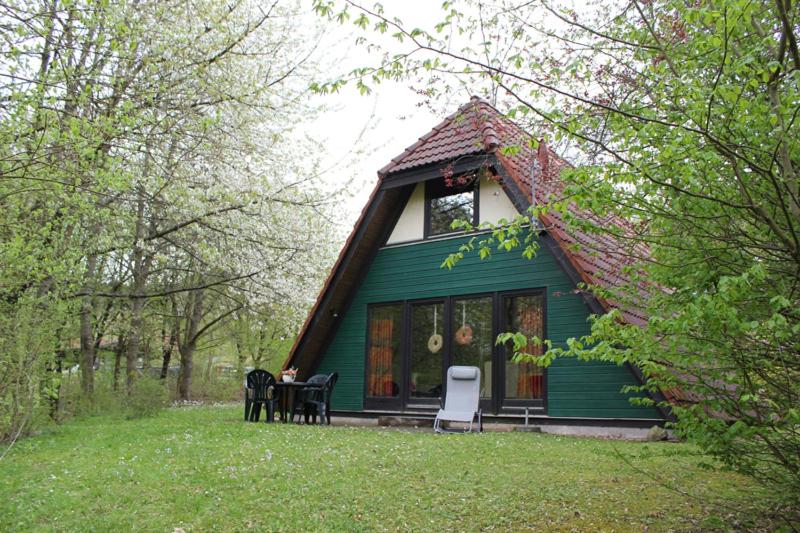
x,y
361,134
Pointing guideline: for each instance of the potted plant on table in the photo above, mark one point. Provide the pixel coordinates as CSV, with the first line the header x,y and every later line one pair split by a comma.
x,y
288,375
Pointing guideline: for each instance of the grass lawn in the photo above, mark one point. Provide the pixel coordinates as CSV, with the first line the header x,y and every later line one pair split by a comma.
x,y
203,468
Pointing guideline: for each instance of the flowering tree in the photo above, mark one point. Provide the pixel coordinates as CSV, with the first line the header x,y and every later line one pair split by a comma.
x,y
149,154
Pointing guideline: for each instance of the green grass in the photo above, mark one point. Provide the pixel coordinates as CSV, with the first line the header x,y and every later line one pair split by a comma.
x,y
204,469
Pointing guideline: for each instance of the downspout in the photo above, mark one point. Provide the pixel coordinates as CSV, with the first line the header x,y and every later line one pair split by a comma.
x,y
536,169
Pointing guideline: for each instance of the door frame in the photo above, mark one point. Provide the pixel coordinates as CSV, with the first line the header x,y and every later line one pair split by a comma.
x,y
410,403
384,403
498,402
514,405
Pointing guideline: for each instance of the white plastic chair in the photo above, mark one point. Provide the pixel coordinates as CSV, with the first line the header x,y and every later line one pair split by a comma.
x,y
462,398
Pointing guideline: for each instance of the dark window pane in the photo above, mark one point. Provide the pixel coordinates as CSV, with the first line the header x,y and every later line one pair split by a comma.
x,y
427,350
525,314
472,338
445,209
383,379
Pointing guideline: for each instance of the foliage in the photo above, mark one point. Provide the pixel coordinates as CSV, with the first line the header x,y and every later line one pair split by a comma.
x,y
199,468
263,335
684,119
29,382
104,401
154,183
148,397
217,389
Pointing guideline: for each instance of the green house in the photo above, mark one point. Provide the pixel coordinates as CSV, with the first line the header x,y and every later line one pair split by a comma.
x,y
391,321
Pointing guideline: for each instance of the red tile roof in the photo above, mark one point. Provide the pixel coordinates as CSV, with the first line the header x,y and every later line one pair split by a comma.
x,y
470,130
477,127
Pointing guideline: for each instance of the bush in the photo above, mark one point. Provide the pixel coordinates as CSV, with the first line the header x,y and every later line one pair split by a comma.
x,y
104,401
216,389
148,397
27,360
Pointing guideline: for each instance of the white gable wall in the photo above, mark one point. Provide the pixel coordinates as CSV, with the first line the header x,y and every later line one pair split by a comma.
x,y
411,224
493,204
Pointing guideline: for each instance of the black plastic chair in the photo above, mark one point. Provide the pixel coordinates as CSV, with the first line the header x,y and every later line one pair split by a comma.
x,y
316,401
299,401
259,390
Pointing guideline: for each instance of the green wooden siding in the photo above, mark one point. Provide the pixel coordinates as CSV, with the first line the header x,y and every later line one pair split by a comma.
x,y
574,388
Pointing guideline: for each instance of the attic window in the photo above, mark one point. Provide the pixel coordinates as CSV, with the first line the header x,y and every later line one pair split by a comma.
x,y
447,202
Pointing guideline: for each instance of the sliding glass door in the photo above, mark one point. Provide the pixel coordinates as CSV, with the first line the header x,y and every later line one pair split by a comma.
x,y
524,382
473,340
427,350
411,344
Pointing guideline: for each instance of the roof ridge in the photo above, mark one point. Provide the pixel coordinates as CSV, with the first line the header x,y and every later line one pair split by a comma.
x,y
473,102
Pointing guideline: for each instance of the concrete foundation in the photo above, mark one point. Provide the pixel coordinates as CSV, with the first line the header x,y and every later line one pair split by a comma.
x,y
426,424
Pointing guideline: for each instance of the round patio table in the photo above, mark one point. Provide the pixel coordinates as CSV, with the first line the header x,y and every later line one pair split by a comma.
x,y
287,392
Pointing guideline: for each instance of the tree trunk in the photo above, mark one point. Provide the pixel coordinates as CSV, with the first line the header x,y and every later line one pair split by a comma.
x,y
141,264
118,360
166,356
208,366
186,348
185,375
258,357
241,359
56,402
86,333
146,353
134,337
166,352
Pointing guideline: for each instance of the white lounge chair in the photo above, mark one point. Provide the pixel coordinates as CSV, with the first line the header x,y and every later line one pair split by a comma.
x,y
461,399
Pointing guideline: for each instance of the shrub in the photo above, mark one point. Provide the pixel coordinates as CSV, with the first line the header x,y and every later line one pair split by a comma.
x,y
216,389
148,397
104,401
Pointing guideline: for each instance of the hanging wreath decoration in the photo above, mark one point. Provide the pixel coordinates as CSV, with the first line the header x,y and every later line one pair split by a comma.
x,y
435,341
463,334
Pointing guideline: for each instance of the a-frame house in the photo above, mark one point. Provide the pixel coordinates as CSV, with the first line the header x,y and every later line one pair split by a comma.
x,y
390,320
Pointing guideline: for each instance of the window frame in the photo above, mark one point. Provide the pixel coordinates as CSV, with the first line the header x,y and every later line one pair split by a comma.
x,y
434,189
517,404
385,402
498,403
415,402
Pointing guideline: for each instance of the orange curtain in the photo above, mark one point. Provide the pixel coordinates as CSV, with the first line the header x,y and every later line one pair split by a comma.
x,y
380,358
531,323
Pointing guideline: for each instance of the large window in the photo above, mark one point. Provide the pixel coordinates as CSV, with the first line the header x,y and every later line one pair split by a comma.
x,y
473,341
385,327
525,314
447,202
411,344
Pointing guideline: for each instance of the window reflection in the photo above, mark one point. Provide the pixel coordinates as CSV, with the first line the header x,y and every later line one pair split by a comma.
x,y
444,210
427,348
472,338
384,351
525,314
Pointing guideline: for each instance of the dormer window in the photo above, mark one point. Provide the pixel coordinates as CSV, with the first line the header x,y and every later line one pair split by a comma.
x,y
456,199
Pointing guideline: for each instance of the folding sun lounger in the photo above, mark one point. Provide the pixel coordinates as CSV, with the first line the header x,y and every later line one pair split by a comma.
x,y
461,398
